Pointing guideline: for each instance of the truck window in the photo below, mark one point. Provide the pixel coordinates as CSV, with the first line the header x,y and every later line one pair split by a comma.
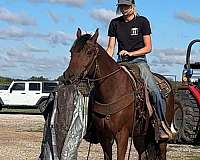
x,y
48,87
34,86
18,87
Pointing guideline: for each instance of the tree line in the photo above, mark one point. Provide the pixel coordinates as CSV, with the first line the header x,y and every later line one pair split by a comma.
x,y
7,80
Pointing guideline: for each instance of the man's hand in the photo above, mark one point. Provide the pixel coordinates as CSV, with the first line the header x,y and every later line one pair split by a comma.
x,y
124,53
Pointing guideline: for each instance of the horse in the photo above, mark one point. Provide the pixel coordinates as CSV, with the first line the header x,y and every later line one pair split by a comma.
x,y
114,109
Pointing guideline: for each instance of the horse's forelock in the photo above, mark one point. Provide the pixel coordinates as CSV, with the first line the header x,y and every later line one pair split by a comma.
x,y
80,42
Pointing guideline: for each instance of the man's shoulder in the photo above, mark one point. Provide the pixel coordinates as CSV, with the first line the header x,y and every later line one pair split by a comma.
x,y
142,18
117,19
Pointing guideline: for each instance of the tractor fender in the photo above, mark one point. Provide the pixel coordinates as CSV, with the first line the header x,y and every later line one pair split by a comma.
x,y
195,92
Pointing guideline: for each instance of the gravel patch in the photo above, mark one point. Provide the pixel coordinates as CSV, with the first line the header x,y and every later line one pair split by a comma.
x,y
21,137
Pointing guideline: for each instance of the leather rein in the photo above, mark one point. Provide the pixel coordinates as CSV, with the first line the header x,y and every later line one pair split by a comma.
x,y
117,104
87,70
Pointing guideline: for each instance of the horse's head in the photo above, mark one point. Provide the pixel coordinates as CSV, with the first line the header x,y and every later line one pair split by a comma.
x,y
83,55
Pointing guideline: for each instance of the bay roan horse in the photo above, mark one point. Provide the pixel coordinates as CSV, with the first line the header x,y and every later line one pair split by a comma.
x,y
114,98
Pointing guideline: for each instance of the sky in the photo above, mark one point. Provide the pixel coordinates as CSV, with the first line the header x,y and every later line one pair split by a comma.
x,y
36,35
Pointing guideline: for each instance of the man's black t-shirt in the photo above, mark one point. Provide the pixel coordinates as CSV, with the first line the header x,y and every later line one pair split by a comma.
x,y
129,34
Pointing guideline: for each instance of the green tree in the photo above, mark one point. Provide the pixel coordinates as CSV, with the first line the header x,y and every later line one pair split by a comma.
x,y
5,80
41,78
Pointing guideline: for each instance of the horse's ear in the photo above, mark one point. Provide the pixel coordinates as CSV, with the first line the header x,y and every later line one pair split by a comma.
x,y
95,36
78,33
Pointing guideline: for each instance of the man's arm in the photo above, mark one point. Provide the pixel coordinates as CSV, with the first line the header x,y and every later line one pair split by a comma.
x,y
111,46
146,49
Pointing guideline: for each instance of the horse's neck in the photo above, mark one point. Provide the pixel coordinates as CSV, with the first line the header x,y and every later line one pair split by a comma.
x,y
106,64
114,84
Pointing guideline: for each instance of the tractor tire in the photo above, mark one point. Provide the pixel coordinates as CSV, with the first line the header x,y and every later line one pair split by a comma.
x,y
186,117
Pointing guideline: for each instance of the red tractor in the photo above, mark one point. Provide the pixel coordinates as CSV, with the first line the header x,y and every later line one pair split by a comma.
x,y
186,122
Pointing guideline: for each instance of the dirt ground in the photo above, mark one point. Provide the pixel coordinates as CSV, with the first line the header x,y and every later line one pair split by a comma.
x,y
21,136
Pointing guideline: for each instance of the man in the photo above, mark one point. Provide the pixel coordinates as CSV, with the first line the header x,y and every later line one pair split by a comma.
x,y
133,34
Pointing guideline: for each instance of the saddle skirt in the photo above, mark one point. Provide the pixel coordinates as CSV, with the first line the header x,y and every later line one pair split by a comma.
x,y
134,72
163,84
144,112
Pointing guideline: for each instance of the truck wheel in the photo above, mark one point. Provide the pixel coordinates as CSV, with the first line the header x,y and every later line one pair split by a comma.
x,y
186,117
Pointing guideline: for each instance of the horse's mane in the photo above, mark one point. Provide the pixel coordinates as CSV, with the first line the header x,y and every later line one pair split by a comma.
x,y
80,42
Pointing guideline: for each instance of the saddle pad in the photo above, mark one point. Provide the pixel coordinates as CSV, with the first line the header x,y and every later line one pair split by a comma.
x,y
161,81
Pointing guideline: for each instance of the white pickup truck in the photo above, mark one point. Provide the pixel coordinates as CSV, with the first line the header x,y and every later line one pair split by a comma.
x,y
26,93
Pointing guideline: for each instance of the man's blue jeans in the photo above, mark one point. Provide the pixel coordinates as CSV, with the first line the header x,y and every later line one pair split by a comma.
x,y
155,93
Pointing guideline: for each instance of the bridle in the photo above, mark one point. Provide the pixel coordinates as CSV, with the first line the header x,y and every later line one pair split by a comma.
x,y
96,69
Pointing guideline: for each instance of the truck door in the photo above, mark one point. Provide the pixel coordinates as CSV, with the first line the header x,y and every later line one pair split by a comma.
x,y
17,94
34,92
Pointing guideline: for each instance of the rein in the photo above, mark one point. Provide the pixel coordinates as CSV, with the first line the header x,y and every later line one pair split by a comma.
x,y
115,106
106,76
90,66
115,101
87,70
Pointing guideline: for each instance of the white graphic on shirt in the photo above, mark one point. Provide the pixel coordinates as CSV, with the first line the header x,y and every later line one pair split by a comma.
x,y
134,31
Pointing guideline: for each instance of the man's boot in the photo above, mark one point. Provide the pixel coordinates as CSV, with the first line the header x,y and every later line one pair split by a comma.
x,y
165,132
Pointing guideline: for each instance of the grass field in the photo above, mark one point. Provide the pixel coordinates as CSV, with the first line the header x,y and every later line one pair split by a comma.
x,y
20,110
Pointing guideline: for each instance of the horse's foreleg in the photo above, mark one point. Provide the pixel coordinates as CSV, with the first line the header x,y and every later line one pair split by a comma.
x,y
106,145
163,151
122,142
